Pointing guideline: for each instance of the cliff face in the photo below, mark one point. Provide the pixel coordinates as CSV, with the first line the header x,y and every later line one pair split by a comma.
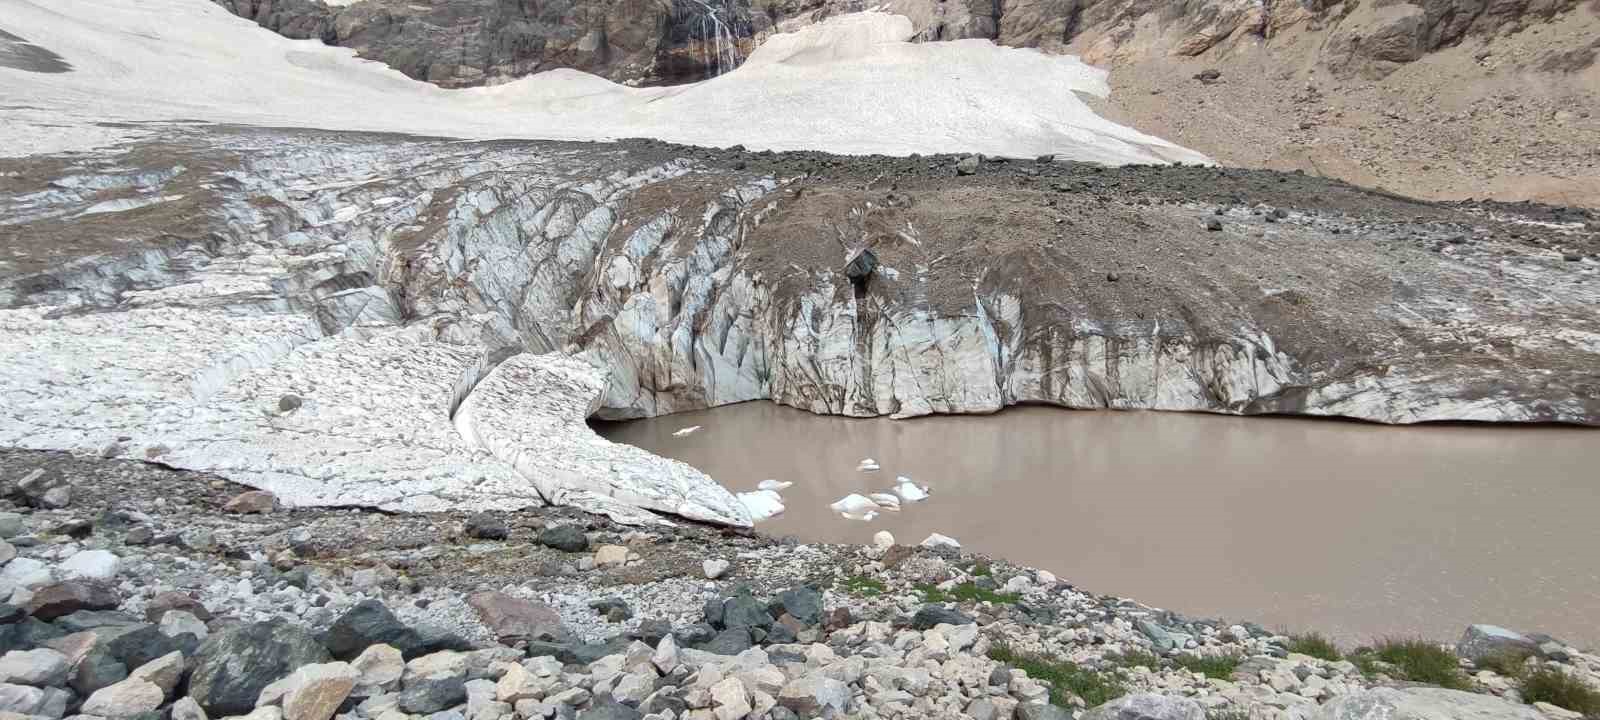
x,y
411,324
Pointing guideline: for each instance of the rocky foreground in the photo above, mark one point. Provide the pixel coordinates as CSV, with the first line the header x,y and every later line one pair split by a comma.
x,y
136,591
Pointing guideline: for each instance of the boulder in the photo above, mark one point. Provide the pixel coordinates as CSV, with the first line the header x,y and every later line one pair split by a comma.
x,y
315,692
802,603
484,526
933,614
159,605
146,643
42,667
610,556
1422,703
1159,636
232,667
514,619
731,641
814,696
252,502
715,568
182,622
566,538
730,700
378,668
1484,641
164,672
24,573
64,598
370,623
743,610
187,709
1147,706
127,699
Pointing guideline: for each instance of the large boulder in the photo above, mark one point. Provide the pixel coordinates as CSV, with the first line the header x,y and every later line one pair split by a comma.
x,y
1483,641
233,666
65,598
517,620
1147,706
1423,703
371,623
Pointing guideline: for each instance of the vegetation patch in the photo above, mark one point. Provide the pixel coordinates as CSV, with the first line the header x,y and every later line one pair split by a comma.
x,y
965,592
1316,645
1136,658
1510,663
864,586
1553,686
1413,659
1216,667
1064,678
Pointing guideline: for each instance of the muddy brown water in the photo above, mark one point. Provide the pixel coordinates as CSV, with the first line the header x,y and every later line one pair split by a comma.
x,y
1356,530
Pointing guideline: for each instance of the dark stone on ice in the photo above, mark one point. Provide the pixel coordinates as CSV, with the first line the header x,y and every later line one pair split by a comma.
x,y
566,538
288,403
931,615
487,527
232,667
1214,225
861,264
1209,75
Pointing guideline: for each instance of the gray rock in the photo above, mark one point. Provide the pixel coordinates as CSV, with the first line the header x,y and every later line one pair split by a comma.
x,y
233,666
146,643
41,667
10,525
127,699
370,623
1147,706
731,641
1422,703
814,696
605,708
802,603
1159,636
187,709
432,694
933,614
1041,711
743,610
23,699
1483,641
715,568
484,526
967,165
566,538
159,605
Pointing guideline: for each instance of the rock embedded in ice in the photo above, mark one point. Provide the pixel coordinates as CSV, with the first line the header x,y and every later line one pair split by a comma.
x,y
937,540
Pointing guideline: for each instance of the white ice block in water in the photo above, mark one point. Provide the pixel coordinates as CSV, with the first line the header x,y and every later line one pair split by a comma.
x,y
774,485
937,540
856,507
762,504
686,431
910,491
888,501
868,465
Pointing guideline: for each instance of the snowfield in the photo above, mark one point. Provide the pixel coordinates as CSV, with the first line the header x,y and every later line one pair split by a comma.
x,y
852,84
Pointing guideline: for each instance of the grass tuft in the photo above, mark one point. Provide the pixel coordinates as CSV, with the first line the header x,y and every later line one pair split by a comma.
x,y
1216,667
1416,660
1316,645
1509,663
965,592
1136,658
864,586
1553,686
1064,678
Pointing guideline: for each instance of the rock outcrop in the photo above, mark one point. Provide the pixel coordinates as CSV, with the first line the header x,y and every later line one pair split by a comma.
x,y
358,320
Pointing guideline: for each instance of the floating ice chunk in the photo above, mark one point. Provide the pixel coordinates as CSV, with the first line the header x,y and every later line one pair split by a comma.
x,y
883,540
686,431
856,507
868,465
762,504
937,540
888,501
773,485
910,491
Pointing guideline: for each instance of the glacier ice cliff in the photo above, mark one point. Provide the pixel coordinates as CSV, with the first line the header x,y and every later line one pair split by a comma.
x,y
415,324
